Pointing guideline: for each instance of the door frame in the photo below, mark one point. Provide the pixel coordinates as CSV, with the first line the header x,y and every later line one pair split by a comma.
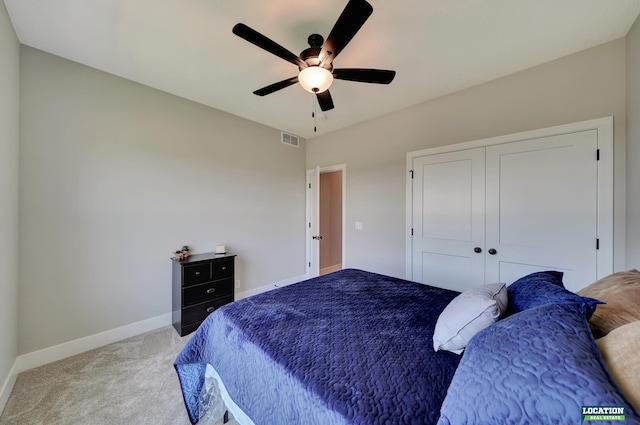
x,y
604,127
312,202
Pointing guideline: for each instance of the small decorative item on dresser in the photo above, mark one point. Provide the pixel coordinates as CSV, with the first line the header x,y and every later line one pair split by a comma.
x,y
185,252
178,255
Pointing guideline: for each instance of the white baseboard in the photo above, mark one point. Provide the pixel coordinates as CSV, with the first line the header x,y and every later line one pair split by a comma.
x,y
269,287
71,348
77,346
8,384
80,345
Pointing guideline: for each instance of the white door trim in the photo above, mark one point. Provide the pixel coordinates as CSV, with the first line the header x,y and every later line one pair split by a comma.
x,y
604,126
312,225
309,214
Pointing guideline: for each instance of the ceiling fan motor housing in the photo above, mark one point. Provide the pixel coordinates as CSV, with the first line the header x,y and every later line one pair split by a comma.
x,y
310,57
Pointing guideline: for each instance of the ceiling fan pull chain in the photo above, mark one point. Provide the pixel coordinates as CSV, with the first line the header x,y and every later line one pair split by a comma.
x,y
313,114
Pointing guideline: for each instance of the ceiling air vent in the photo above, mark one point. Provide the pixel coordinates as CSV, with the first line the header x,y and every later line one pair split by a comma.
x,y
290,139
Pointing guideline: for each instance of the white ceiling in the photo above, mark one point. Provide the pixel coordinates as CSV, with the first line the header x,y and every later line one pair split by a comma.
x,y
186,47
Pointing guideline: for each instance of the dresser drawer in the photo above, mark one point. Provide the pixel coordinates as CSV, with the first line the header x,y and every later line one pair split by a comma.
x,y
207,291
199,312
222,269
195,274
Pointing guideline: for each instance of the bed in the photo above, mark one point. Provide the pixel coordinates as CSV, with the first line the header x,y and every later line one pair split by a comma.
x,y
355,347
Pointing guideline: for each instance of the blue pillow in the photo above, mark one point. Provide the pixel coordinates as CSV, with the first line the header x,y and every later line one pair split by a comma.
x,y
539,366
543,288
550,276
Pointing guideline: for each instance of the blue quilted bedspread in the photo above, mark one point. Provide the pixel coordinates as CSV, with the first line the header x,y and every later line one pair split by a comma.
x,y
351,347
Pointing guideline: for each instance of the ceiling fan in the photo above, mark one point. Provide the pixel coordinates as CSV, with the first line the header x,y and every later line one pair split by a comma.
x,y
316,62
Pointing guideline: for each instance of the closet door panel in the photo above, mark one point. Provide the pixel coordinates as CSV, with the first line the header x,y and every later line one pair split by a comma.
x,y
448,219
541,207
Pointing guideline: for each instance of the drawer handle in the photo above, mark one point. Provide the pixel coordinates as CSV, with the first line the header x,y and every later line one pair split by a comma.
x,y
210,309
224,268
211,290
197,273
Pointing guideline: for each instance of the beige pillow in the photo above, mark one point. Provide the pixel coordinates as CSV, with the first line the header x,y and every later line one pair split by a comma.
x,y
621,293
620,351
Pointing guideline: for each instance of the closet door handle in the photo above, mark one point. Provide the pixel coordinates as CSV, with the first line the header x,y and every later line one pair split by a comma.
x,y
477,250
493,251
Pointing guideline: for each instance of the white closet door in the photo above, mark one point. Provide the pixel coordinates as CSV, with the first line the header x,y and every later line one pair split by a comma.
x,y
448,219
541,208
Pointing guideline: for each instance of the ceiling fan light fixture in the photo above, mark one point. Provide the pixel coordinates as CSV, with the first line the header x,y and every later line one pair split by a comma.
x,y
315,79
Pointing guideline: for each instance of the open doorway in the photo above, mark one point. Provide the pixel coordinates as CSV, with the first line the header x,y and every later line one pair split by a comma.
x,y
326,215
330,216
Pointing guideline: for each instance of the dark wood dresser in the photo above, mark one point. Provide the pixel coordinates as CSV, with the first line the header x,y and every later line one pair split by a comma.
x,y
201,284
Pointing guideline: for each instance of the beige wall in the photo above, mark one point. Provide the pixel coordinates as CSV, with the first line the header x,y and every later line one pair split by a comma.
x,y
9,146
330,219
114,176
633,146
586,85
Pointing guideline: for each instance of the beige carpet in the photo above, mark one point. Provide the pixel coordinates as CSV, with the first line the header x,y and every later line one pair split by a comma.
x,y
129,382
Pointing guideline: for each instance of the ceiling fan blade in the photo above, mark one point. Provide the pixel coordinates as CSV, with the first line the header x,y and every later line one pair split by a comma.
x,y
254,37
276,86
364,75
354,15
324,100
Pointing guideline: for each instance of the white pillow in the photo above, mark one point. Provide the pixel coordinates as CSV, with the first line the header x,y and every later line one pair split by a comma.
x,y
467,314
